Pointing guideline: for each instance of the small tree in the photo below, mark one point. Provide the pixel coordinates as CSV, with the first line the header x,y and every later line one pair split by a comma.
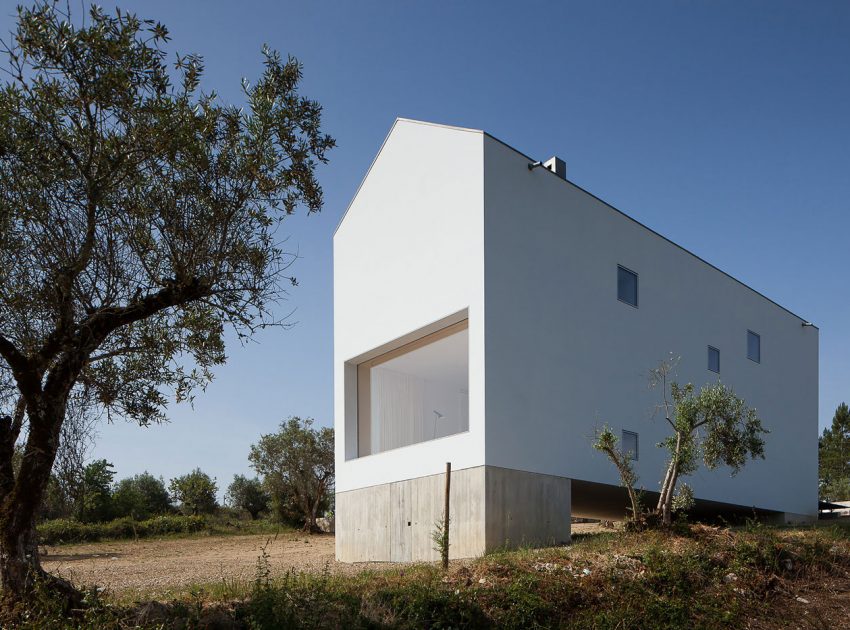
x,y
95,501
195,493
607,442
249,495
713,425
141,497
297,464
834,457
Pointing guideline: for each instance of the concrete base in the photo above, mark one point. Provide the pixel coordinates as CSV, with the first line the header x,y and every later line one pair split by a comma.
x,y
789,518
490,508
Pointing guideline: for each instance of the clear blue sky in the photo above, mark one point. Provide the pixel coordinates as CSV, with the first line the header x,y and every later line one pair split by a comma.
x,y
723,125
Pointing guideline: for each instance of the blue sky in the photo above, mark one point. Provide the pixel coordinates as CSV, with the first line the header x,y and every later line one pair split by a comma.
x,y
723,125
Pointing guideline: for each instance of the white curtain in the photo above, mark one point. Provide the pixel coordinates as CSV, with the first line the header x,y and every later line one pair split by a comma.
x,y
398,409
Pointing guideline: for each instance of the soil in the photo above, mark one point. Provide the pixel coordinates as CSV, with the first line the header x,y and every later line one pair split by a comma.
x,y
159,567
151,567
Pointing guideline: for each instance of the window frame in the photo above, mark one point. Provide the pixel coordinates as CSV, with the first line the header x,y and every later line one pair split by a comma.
x,y
717,350
637,285
363,402
758,338
636,453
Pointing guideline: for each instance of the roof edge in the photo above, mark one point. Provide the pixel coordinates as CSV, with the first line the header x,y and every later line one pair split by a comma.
x,y
398,120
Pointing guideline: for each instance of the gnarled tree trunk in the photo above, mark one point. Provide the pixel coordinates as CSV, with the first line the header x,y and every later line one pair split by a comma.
x,y
20,497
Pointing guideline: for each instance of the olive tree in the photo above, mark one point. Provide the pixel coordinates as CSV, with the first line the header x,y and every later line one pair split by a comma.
x,y
712,426
139,221
195,493
297,465
249,495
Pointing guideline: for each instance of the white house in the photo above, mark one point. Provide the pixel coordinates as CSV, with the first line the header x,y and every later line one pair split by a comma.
x,y
490,313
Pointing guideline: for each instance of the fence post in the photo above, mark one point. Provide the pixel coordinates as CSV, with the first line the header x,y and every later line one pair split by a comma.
x,y
445,548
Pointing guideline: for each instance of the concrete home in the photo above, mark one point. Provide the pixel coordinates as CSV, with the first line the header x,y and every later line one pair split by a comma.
x,y
490,313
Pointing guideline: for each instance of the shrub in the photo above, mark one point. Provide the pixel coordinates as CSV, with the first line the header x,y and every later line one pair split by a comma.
x,y
61,531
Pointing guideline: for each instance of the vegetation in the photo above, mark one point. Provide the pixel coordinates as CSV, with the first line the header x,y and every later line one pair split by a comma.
x,y
141,497
694,577
64,531
195,493
138,222
834,457
297,465
249,495
712,425
608,443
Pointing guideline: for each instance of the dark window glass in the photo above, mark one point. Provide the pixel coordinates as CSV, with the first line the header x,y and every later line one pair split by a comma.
x,y
753,346
714,359
630,444
627,286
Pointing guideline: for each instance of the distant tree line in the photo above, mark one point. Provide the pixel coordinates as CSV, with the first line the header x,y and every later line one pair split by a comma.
x,y
295,485
834,457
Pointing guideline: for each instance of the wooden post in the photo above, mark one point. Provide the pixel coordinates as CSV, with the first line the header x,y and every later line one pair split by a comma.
x,y
445,549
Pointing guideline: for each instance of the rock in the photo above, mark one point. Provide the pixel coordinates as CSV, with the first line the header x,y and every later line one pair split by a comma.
x,y
216,619
546,567
729,578
153,614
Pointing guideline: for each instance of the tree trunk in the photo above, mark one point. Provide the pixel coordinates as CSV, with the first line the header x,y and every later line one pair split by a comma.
x,y
665,500
20,568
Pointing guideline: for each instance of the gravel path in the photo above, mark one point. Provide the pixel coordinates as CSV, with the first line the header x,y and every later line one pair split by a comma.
x,y
158,566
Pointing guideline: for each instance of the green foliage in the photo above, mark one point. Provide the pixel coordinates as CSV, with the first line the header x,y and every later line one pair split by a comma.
x,y
713,425
195,493
64,531
297,465
249,495
834,457
139,223
96,492
606,441
141,497
440,538
729,431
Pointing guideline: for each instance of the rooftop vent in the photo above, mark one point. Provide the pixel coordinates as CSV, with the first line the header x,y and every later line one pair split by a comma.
x,y
557,166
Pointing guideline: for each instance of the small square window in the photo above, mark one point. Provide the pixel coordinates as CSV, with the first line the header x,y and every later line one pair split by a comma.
x,y
630,444
713,359
627,286
753,346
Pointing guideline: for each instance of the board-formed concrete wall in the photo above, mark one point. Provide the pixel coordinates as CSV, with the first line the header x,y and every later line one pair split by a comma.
x,y
490,508
526,509
393,522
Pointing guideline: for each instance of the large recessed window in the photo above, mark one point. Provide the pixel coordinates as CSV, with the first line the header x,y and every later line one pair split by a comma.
x,y
627,286
753,346
416,393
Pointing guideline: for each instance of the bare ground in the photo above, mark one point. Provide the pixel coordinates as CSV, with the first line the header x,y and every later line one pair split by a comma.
x,y
159,566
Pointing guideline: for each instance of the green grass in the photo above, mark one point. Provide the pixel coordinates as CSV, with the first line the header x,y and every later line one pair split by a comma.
x,y
699,578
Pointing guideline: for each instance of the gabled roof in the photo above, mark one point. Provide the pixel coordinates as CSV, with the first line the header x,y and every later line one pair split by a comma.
x,y
524,155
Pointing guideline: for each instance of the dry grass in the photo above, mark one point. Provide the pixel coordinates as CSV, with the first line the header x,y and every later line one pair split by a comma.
x,y
698,577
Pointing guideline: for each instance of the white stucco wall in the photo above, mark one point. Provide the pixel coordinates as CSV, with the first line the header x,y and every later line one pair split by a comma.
x,y
409,253
564,355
